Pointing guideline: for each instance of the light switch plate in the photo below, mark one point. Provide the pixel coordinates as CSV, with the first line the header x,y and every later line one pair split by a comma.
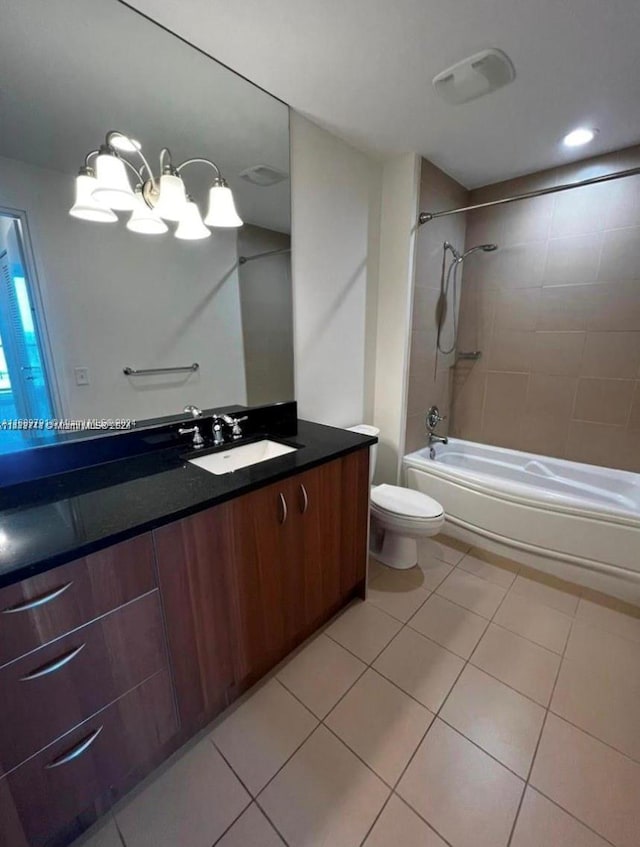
x,y
82,376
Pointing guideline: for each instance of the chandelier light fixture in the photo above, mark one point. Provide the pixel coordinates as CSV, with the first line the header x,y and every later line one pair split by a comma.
x,y
103,187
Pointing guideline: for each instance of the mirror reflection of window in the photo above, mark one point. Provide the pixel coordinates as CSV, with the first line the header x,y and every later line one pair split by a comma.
x,y
24,386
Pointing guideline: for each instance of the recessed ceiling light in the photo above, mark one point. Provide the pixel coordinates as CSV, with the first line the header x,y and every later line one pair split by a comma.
x,y
578,137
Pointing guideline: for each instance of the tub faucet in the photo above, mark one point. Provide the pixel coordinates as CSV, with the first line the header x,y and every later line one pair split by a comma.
x,y
433,419
432,438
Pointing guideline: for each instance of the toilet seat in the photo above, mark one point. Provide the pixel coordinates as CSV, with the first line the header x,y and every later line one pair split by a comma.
x,y
414,506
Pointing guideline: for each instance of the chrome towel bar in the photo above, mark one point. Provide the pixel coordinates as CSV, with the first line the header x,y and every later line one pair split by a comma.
x,y
141,371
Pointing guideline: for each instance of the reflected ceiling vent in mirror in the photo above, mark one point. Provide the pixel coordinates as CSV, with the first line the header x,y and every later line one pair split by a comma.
x,y
103,187
474,77
263,175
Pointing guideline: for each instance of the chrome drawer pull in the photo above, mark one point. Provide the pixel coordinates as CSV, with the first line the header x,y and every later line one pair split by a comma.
x,y
305,498
76,751
38,601
283,503
55,665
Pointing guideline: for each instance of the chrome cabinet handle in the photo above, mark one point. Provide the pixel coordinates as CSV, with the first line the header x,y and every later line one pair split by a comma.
x,y
38,601
305,498
76,751
285,511
54,665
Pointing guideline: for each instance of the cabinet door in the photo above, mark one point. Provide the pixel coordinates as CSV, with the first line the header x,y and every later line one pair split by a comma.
x,y
332,502
195,561
266,602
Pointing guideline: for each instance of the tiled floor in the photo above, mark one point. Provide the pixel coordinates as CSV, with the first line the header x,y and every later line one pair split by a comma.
x,y
467,703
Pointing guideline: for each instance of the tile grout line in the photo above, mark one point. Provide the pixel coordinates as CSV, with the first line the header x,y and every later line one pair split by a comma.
x,y
537,747
369,665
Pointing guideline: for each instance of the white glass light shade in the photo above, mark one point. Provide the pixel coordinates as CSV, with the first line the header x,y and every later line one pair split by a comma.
x,y
222,209
113,188
191,227
86,206
144,220
173,198
578,137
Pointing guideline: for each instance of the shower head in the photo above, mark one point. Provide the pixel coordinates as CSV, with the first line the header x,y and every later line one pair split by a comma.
x,y
486,248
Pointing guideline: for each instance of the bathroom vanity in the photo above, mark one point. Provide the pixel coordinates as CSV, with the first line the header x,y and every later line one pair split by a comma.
x,y
167,594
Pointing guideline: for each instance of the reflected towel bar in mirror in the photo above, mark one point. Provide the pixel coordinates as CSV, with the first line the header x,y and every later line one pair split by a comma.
x,y
142,371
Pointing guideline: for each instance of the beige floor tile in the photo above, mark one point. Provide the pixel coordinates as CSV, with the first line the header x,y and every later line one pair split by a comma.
x,y
324,795
364,630
540,591
595,648
320,674
103,834
539,623
543,824
443,547
178,807
472,592
423,669
398,593
451,626
590,780
501,721
381,724
260,735
375,569
601,703
498,574
611,620
434,570
397,818
468,797
252,829
525,666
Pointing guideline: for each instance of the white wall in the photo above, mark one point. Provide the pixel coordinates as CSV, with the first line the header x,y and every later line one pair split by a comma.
x,y
114,298
398,223
334,200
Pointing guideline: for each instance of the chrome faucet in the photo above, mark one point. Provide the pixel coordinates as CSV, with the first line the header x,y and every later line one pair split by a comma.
x,y
432,420
194,411
233,423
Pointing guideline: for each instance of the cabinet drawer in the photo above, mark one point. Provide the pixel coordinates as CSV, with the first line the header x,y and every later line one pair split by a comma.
x,y
53,689
51,789
39,609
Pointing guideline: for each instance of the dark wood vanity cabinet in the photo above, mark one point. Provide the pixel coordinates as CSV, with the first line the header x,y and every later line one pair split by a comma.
x,y
195,565
109,663
298,557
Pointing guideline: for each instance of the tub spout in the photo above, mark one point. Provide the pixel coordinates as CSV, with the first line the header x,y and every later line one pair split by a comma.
x,y
432,438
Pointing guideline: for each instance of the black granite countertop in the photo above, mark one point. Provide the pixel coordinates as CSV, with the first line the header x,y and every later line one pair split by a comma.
x,y
48,522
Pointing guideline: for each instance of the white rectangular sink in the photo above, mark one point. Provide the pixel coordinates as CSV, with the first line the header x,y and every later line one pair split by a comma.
x,y
241,457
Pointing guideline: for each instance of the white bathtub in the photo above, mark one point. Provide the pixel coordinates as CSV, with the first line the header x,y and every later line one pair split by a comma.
x,y
579,522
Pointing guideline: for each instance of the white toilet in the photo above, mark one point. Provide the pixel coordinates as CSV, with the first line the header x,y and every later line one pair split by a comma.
x,y
399,516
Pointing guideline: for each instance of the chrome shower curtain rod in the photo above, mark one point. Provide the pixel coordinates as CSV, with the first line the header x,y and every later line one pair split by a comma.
x,y
244,259
425,217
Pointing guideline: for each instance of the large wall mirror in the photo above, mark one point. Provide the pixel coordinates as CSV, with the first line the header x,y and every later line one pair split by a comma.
x,y
81,301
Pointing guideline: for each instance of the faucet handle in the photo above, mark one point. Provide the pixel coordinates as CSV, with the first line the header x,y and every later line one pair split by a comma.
x,y
434,418
236,431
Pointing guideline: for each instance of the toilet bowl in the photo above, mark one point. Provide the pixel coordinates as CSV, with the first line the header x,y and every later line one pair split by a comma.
x,y
399,516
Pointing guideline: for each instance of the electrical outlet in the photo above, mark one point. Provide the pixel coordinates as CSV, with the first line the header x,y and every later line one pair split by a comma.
x,y
82,376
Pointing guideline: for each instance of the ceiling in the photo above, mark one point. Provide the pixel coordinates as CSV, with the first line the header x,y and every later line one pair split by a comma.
x,y
363,69
78,68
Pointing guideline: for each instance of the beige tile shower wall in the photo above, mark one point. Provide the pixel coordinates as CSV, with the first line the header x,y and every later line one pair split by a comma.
x,y
556,312
430,374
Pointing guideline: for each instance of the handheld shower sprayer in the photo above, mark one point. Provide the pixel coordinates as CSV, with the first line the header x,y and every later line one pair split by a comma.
x,y
449,278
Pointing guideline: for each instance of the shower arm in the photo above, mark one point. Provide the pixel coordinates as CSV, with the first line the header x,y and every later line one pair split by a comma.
x,y
425,217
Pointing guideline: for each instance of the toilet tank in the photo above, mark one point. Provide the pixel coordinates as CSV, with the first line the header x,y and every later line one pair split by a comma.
x,y
366,429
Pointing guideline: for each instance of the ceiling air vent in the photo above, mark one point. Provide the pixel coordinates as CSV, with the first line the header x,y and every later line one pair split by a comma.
x,y
263,175
474,77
